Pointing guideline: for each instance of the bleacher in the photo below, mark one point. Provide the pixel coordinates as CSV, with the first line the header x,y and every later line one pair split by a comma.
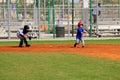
x,y
14,27
3,33
107,30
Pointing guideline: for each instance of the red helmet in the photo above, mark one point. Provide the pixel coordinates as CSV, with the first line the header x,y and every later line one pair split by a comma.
x,y
80,23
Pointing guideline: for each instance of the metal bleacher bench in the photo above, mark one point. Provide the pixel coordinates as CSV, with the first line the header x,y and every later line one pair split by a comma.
x,y
106,30
109,29
15,26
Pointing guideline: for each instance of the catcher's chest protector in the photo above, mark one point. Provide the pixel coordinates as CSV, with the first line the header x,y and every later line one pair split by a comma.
x,y
18,33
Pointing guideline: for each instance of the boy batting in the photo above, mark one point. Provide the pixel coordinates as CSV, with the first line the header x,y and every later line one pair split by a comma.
x,y
79,35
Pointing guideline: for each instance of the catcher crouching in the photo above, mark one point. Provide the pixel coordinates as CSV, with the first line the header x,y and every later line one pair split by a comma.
x,y
22,35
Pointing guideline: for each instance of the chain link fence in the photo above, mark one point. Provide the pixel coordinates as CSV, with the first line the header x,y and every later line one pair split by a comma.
x,y
13,17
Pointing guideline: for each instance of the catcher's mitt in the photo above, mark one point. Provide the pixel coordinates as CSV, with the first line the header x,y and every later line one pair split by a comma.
x,y
29,37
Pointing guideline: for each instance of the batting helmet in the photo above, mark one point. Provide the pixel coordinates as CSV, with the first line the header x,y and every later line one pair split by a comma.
x,y
80,23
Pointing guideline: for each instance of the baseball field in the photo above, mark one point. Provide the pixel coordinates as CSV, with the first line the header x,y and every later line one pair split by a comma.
x,y
59,60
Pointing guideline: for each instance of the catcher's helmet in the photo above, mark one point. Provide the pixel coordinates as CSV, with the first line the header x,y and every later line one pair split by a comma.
x,y
99,4
80,23
26,27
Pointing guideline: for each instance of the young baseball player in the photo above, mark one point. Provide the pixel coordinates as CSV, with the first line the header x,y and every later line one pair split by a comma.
x,y
79,35
22,35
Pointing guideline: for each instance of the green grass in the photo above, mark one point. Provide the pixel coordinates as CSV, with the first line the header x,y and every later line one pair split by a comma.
x,y
106,41
56,66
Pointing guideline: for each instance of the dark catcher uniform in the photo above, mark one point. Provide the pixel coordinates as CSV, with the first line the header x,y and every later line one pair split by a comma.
x,y
22,35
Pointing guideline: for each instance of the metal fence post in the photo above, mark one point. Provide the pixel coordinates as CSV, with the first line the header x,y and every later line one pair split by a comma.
x,y
8,16
72,18
118,8
38,14
53,12
48,16
90,18
68,18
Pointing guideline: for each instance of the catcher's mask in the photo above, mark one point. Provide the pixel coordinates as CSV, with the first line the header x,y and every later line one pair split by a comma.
x,y
26,27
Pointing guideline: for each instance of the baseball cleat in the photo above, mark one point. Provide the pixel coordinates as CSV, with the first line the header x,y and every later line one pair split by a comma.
x,y
28,45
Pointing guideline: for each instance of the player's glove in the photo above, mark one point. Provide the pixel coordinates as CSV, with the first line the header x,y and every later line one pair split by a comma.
x,y
29,37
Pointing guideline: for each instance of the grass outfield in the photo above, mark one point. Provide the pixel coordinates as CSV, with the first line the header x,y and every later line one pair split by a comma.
x,y
57,66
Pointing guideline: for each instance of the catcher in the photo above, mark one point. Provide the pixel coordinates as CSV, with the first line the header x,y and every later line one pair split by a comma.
x,y
22,35
79,35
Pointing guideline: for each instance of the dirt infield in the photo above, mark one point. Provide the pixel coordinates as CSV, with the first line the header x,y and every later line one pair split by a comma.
x,y
111,51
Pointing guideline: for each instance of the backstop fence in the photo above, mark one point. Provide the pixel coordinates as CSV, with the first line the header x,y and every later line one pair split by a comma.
x,y
44,18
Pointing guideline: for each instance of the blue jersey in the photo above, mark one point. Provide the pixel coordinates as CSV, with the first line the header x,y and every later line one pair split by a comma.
x,y
79,32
